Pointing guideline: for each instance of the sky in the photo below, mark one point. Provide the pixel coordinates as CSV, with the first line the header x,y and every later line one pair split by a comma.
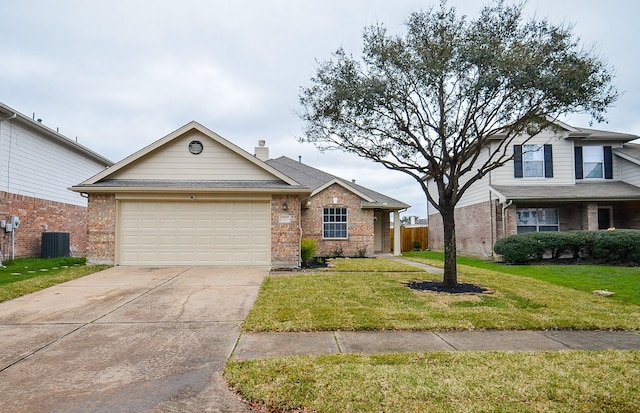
x,y
118,75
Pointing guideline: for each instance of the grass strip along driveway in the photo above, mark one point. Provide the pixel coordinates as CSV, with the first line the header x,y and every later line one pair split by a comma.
x,y
371,295
28,275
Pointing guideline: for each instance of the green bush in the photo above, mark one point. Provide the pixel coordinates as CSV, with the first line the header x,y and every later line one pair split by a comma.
x,y
617,247
521,248
610,247
308,249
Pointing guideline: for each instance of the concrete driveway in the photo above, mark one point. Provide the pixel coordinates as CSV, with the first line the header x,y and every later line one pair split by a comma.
x,y
127,339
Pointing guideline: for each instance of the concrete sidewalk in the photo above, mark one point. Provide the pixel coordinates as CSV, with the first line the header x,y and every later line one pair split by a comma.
x,y
257,345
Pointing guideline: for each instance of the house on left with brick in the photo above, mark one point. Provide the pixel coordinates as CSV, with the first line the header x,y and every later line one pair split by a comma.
x,y
37,165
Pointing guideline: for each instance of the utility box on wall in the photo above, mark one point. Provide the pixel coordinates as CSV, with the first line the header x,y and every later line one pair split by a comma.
x,y
55,244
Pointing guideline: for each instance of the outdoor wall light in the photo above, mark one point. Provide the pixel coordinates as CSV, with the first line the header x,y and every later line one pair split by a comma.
x,y
285,206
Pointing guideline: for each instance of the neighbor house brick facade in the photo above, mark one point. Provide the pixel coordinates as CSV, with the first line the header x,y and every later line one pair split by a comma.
x,y
37,165
194,198
563,179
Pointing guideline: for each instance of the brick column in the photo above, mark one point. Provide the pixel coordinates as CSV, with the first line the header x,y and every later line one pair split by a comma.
x,y
590,216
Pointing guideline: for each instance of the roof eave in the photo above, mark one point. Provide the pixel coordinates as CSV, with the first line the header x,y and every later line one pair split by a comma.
x,y
56,136
390,207
93,189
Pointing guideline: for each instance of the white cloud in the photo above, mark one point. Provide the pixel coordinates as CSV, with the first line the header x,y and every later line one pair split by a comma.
x,y
121,74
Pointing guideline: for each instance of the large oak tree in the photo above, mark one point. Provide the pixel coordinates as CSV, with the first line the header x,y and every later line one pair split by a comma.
x,y
426,102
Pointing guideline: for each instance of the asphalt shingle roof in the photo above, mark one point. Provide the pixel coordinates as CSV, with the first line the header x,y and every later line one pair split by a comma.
x,y
314,178
583,191
141,183
632,150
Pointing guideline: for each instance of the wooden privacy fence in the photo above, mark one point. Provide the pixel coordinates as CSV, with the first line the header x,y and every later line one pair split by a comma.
x,y
410,234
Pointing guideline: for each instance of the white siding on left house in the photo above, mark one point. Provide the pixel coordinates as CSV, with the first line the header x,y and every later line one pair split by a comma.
x,y
33,164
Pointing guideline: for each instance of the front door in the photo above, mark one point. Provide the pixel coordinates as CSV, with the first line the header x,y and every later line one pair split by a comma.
x,y
604,218
377,232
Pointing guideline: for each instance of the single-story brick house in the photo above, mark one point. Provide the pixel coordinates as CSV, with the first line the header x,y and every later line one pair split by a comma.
x,y
194,198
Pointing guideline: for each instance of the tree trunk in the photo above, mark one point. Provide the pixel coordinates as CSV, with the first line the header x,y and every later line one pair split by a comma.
x,y
450,268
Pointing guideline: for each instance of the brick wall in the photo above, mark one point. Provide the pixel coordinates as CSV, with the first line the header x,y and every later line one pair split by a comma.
x,y
472,222
285,231
360,222
473,229
101,229
34,214
626,215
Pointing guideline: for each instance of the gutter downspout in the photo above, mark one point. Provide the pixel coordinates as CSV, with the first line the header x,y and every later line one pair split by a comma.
x,y
490,223
504,218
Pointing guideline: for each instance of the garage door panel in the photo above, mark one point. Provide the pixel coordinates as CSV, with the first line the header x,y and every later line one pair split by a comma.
x,y
195,233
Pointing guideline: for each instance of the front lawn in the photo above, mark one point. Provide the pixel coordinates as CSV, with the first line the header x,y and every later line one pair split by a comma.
x,y
371,294
27,275
624,282
567,381
345,299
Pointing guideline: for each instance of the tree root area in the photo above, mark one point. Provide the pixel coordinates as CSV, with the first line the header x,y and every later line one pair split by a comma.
x,y
439,287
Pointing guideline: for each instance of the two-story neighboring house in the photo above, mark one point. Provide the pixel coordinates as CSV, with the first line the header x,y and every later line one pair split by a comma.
x,y
565,178
37,165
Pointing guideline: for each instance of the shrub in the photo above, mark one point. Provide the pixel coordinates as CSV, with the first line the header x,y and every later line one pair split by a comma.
x,y
338,252
607,247
519,249
308,249
617,247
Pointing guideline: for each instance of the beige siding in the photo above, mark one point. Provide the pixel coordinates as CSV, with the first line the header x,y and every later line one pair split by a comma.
x,y
630,172
174,162
563,168
479,191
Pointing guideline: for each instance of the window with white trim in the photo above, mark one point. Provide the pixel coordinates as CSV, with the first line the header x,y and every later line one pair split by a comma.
x,y
532,160
537,219
334,223
593,161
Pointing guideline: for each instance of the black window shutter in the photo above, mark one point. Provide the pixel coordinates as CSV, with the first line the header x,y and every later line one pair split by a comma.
x,y
517,161
578,160
548,161
608,163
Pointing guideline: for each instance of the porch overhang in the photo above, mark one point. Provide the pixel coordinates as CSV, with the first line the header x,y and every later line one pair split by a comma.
x,y
580,192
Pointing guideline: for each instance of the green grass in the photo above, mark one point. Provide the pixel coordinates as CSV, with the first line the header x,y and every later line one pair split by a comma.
x,y
568,381
326,301
623,281
368,265
27,275
361,295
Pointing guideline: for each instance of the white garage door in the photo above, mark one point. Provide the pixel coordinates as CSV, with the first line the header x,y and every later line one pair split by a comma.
x,y
195,233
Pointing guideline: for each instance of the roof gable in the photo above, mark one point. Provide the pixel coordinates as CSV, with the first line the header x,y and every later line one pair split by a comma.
x,y
169,158
571,132
340,182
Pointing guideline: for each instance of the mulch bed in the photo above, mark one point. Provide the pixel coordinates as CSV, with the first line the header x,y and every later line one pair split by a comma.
x,y
439,287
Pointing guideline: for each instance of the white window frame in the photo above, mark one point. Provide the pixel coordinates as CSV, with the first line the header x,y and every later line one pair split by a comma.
x,y
592,155
532,161
335,222
533,219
